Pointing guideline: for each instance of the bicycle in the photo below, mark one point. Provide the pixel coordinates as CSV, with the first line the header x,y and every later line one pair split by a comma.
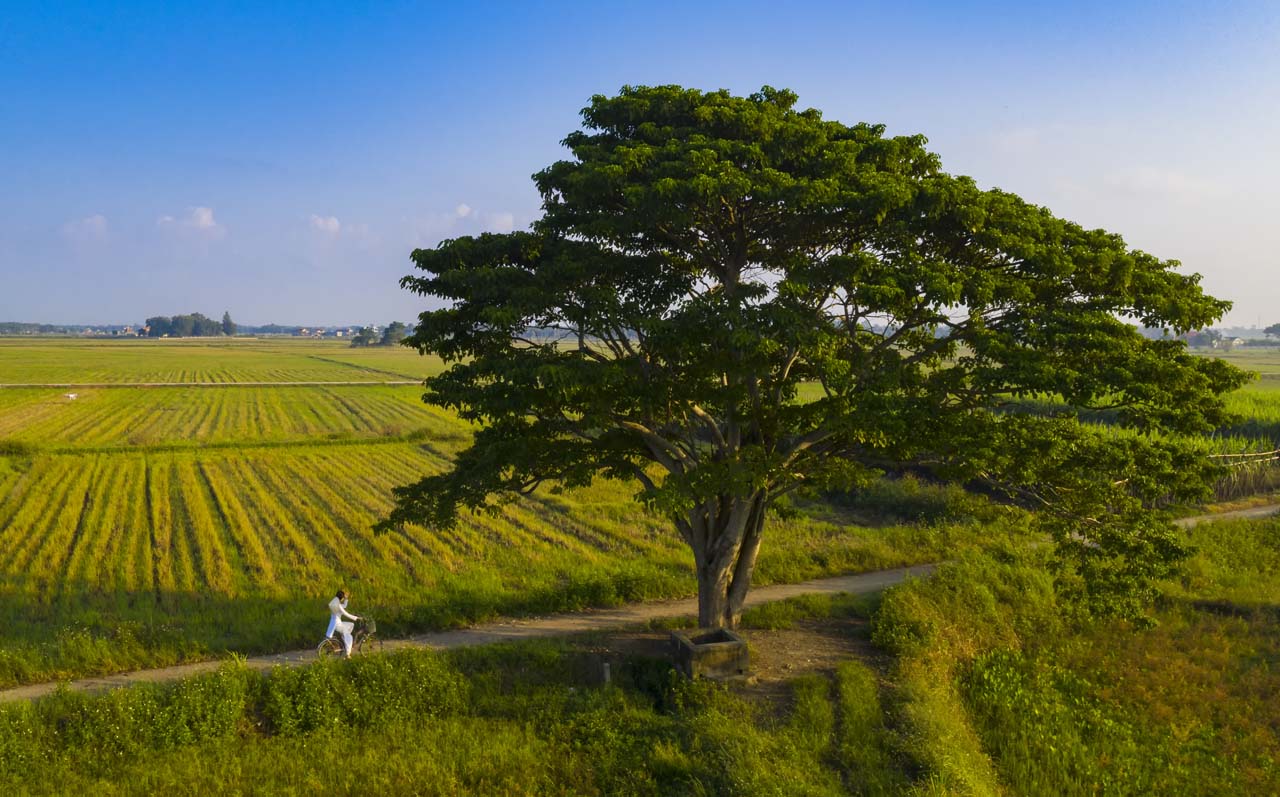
x,y
364,639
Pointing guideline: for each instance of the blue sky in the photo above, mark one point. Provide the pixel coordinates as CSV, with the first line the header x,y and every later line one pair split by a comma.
x,y
281,160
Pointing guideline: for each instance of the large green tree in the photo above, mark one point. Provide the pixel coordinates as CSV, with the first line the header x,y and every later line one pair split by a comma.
x,y
1272,331
702,256
393,334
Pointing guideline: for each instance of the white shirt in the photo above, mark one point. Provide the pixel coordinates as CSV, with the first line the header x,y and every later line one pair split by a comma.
x,y
337,610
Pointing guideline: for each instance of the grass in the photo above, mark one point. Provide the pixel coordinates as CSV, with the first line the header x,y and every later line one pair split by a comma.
x,y
995,688
514,719
1004,690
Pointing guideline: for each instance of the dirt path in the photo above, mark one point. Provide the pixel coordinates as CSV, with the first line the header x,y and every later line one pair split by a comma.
x,y
502,631
1266,510
554,626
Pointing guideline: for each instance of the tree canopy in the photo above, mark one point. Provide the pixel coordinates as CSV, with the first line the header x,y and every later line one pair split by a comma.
x,y
183,326
1272,331
702,256
228,326
393,334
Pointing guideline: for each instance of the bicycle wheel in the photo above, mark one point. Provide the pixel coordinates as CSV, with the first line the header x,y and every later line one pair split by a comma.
x,y
328,647
368,643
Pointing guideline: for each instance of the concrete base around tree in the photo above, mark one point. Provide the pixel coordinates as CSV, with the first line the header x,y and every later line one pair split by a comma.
x,y
715,653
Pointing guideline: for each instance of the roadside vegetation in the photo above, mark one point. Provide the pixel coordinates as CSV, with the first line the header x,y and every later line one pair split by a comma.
x,y
987,683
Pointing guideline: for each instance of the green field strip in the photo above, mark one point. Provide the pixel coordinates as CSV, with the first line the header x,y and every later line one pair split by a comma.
x,y
31,510
251,555
394,558
591,529
312,555
524,519
371,504
205,420
406,464
58,524
160,513
580,537
153,426
288,552
16,418
50,561
22,482
164,419
100,419
367,417
9,478
85,561
608,508
132,547
365,368
398,465
348,551
216,555
183,554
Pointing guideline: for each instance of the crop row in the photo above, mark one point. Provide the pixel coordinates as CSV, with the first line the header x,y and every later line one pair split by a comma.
x,y
195,361
149,416
269,523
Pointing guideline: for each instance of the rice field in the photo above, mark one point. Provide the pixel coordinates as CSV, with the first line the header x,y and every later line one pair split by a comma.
x,y
147,526
169,416
203,361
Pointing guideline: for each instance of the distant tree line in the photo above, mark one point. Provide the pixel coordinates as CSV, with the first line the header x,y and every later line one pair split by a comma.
x,y
391,335
19,328
195,325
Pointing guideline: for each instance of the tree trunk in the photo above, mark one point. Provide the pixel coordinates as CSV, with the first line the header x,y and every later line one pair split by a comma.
x,y
726,541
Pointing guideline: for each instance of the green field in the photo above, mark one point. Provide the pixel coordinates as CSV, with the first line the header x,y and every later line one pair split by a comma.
x,y
149,525
57,361
168,416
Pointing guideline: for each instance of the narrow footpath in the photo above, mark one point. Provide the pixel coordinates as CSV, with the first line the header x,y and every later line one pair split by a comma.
x,y
556,625
544,627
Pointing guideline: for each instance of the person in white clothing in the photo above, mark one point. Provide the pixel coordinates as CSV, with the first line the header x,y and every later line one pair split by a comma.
x,y
337,611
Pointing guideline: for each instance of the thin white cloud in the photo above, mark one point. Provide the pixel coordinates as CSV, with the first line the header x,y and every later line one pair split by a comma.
x,y
1018,141
1164,183
500,222
431,229
326,224
198,219
90,228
